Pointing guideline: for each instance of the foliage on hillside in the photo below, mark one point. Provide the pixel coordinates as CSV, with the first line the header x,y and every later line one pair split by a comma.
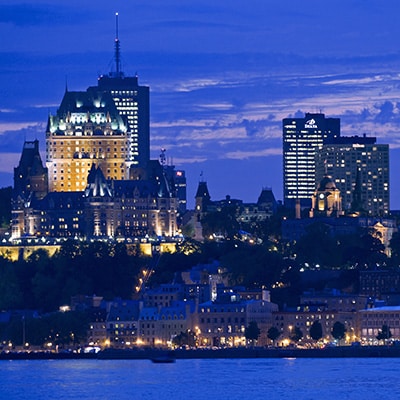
x,y
5,207
45,283
106,269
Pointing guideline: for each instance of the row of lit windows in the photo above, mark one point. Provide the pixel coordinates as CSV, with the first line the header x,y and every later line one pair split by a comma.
x,y
127,92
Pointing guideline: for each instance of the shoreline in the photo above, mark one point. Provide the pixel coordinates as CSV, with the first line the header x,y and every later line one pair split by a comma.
x,y
228,353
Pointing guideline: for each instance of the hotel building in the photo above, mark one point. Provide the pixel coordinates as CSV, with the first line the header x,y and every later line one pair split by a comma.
x,y
302,137
108,125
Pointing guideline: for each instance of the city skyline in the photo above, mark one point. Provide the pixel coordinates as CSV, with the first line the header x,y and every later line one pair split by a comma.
x,y
218,90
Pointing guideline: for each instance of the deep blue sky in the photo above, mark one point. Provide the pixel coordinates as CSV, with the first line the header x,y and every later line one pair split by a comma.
x,y
222,75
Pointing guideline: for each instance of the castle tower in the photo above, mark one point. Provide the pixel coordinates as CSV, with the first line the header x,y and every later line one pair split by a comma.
x,y
30,177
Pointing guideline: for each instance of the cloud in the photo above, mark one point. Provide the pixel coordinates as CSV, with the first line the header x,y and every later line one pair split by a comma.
x,y
8,161
26,15
13,135
242,155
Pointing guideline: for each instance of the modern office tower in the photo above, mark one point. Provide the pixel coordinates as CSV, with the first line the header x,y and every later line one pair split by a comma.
x,y
180,187
301,138
133,103
87,129
360,169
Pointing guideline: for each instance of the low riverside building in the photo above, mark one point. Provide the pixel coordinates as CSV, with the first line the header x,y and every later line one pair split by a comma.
x,y
159,325
223,322
335,300
373,319
97,333
122,322
303,317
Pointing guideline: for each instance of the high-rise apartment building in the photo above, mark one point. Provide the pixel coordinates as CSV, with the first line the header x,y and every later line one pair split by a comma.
x,y
360,169
301,138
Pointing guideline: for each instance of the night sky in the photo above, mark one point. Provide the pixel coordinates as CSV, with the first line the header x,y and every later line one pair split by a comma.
x,y
222,75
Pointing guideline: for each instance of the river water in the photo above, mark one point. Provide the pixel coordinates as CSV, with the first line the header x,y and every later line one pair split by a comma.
x,y
211,379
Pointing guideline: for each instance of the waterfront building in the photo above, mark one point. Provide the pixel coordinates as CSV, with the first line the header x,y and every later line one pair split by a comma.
x,y
159,325
302,137
360,168
223,322
303,317
97,332
335,300
373,319
122,322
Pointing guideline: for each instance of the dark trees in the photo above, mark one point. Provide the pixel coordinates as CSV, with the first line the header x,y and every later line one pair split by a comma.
x,y
297,335
187,338
317,247
252,332
273,333
221,222
45,283
69,328
338,331
316,331
5,207
384,333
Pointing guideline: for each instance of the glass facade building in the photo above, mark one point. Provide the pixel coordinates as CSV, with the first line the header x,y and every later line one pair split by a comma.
x,y
360,169
302,137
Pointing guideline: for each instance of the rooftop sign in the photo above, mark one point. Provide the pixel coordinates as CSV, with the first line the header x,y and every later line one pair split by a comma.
x,y
311,124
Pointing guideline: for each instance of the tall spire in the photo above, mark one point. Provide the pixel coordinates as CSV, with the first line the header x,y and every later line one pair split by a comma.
x,y
118,71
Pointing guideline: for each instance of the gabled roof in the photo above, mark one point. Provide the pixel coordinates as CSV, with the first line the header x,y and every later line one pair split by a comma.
x,y
97,185
137,188
30,159
59,201
124,310
266,196
149,313
202,191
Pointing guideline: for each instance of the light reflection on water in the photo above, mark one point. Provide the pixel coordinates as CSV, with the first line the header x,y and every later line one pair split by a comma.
x,y
300,379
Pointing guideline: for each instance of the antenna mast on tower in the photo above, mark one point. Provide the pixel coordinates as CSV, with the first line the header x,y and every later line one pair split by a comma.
x,y
117,48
